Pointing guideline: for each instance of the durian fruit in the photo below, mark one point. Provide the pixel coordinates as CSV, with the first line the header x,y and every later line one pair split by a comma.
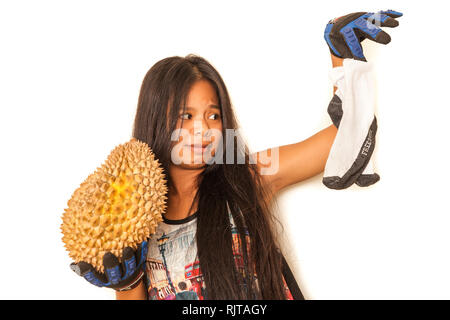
x,y
118,205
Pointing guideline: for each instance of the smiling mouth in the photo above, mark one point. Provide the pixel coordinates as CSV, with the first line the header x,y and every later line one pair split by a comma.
x,y
198,145
198,148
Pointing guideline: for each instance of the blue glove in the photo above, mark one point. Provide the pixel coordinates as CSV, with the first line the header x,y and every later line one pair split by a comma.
x,y
344,34
119,276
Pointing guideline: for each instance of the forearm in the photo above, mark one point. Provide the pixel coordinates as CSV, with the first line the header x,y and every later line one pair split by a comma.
x,y
138,293
302,160
309,157
323,140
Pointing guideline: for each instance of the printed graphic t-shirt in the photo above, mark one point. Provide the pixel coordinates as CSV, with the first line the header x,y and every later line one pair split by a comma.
x,y
172,266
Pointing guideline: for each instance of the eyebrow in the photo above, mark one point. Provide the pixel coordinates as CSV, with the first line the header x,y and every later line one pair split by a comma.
x,y
211,106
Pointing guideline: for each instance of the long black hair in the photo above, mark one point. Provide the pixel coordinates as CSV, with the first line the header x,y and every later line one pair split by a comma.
x,y
237,186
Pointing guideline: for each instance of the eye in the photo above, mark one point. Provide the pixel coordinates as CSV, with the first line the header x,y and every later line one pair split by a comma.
x,y
183,116
215,114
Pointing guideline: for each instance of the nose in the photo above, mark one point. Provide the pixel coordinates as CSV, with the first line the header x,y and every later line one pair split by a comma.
x,y
201,129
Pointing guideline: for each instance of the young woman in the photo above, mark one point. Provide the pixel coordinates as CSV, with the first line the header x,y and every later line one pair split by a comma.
x,y
217,239
176,93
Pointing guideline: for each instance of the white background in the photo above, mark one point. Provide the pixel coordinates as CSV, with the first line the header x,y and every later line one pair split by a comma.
x,y
70,74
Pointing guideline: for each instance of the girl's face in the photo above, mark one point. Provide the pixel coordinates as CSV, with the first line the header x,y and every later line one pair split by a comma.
x,y
201,130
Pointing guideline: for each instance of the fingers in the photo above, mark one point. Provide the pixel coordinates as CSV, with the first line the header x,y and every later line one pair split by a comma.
x,y
382,20
115,272
80,268
354,28
142,251
370,24
382,37
392,13
87,271
372,31
112,268
367,27
353,43
329,40
129,262
389,22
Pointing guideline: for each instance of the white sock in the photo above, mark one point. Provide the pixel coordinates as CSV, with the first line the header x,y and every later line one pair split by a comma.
x,y
368,177
349,160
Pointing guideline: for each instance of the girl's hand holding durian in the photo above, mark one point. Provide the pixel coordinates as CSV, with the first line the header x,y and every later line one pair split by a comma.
x,y
120,276
111,215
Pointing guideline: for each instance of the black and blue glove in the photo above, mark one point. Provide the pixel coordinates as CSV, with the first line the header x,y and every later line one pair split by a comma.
x,y
119,276
344,34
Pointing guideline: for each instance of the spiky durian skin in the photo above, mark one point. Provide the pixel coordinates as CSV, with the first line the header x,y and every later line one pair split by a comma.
x,y
118,205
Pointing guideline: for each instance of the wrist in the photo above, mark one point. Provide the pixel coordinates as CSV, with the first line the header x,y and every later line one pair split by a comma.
x,y
133,283
336,61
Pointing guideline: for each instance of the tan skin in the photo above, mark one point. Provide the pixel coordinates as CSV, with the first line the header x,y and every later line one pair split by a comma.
x,y
297,162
